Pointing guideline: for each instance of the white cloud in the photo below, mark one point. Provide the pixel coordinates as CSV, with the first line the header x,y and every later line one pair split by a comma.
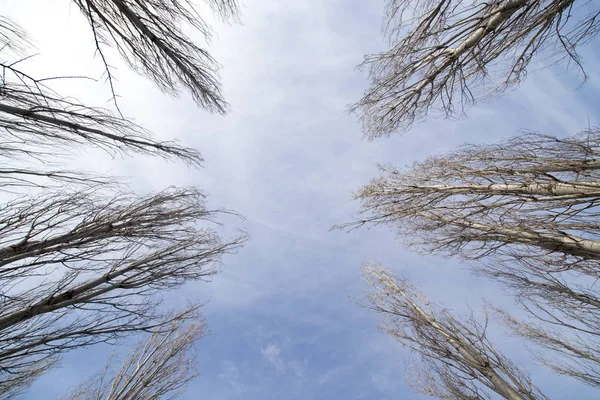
x,y
272,355
231,376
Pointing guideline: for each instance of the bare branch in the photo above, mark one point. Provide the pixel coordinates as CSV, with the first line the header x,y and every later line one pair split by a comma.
x,y
76,269
575,353
527,211
458,360
449,54
160,367
13,39
149,37
38,123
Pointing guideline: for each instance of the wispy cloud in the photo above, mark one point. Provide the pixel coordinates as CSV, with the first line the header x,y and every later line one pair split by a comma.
x,y
230,375
272,355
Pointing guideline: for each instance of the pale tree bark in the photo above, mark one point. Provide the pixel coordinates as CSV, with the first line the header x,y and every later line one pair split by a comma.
x,y
526,211
158,368
532,196
457,360
448,54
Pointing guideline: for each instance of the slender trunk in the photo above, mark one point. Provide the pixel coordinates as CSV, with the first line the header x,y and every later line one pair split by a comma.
x,y
24,249
78,129
580,189
547,166
76,295
500,385
494,19
566,243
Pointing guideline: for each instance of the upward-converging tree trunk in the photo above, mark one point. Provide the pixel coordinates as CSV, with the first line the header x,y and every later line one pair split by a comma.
x,y
449,54
527,210
458,360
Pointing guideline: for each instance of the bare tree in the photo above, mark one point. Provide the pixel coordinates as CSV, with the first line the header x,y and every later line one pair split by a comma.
x,y
527,210
148,34
160,367
40,127
87,261
533,192
457,360
77,269
38,119
39,122
448,54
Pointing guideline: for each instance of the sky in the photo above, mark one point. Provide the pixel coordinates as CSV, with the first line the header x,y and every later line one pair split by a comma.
x,y
282,314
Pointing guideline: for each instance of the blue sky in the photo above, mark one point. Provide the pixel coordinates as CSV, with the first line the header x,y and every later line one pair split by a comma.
x,y
288,157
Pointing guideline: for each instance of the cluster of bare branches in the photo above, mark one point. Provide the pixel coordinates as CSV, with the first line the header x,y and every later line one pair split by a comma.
x,y
159,367
13,38
40,127
448,54
535,191
573,344
149,37
457,360
526,210
35,119
78,269
83,260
